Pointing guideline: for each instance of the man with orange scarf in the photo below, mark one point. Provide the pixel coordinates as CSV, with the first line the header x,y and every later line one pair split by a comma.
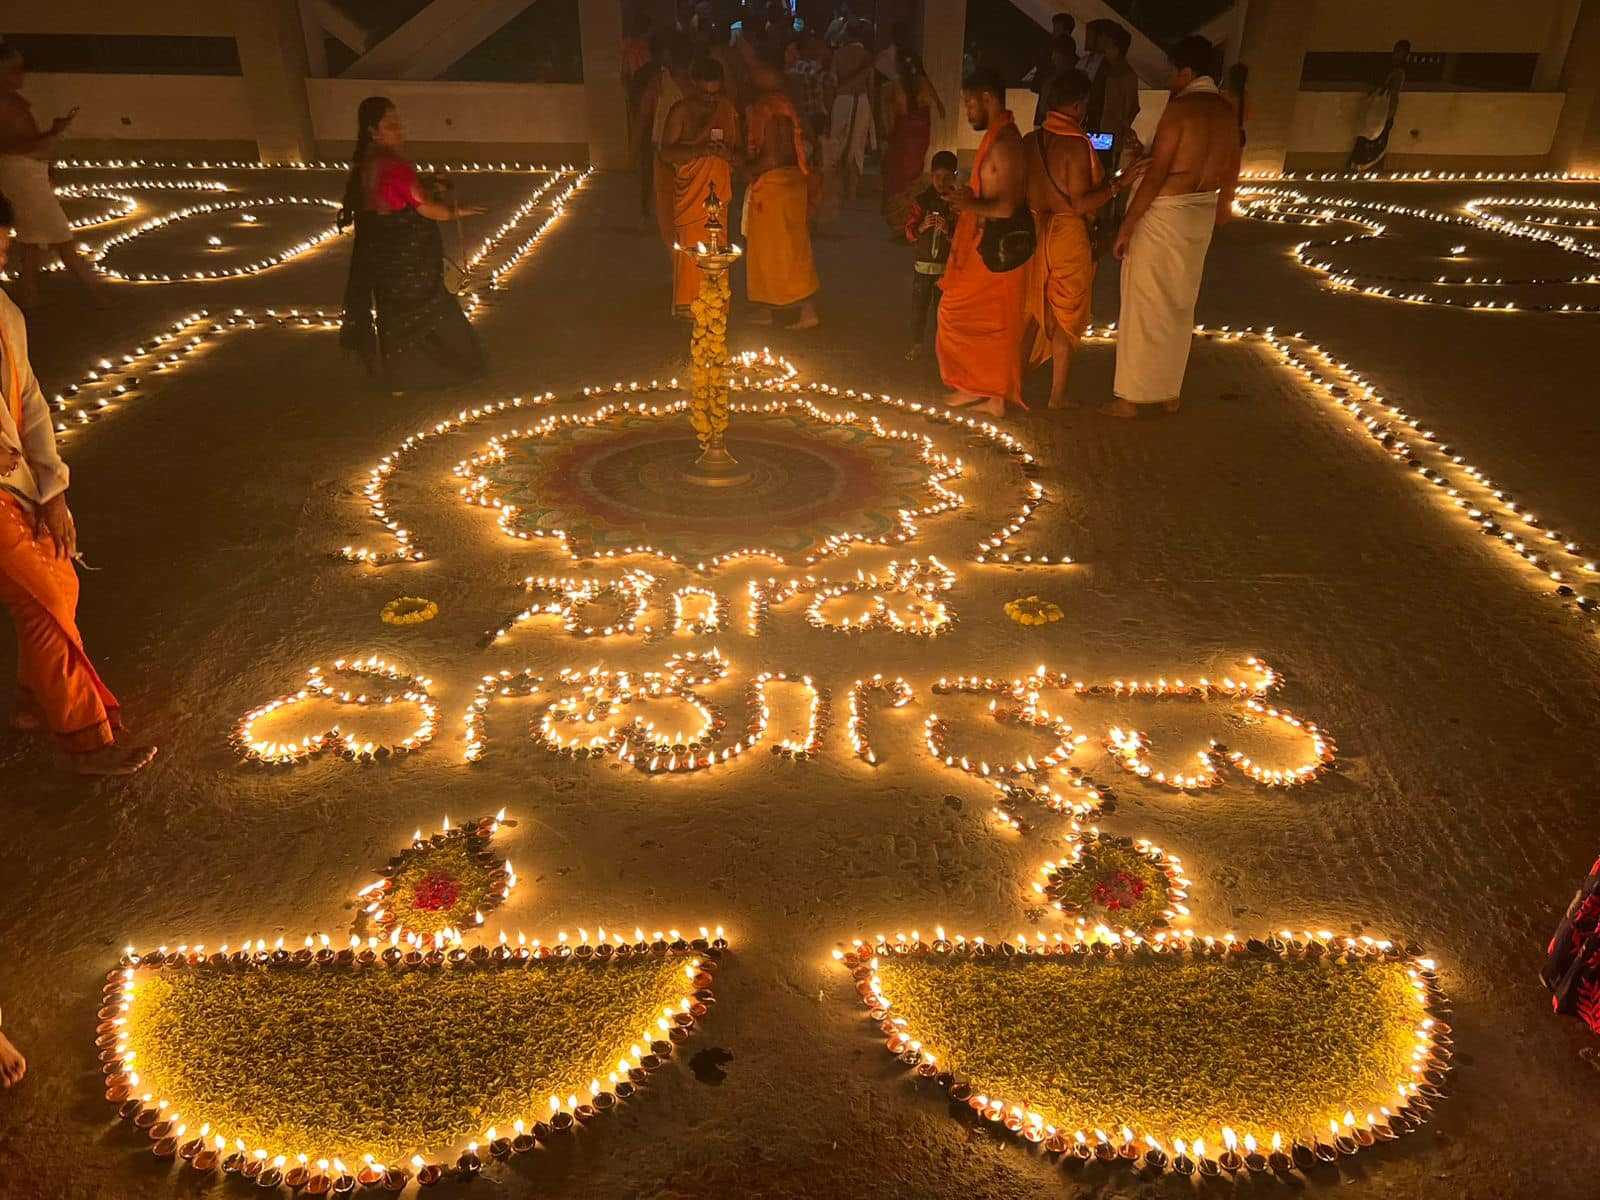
x,y
697,143
779,269
1065,189
57,688
981,313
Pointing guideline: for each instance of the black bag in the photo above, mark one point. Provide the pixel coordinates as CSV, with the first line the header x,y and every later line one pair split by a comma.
x,y
1008,242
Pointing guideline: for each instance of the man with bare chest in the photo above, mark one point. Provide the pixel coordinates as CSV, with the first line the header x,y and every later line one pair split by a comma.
x,y
1066,189
1186,192
698,144
25,152
981,311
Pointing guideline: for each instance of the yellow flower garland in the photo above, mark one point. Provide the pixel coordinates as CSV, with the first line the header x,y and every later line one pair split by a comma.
x,y
710,372
409,610
1031,610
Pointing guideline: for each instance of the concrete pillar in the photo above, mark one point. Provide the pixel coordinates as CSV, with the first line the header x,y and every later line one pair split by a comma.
x,y
272,57
1274,46
1553,59
1576,146
600,24
944,44
316,40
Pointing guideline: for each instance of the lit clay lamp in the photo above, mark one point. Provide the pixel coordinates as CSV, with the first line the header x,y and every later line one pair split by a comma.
x,y
318,1183
271,1175
1208,1165
1128,1152
1181,1162
208,1158
1230,1160
1104,1151
396,1178
1280,1162
1155,1158
1253,1158
371,1174
470,1164
296,1176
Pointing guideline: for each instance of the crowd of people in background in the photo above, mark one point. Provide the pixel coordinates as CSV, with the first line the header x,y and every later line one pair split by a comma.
x,y
1006,259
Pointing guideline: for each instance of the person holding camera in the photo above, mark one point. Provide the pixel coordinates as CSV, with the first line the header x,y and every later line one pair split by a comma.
x,y
25,180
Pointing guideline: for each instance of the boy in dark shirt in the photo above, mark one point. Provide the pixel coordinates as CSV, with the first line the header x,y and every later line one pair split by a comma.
x,y
928,226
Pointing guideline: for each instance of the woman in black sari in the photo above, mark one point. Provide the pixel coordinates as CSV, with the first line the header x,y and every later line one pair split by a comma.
x,y
420,337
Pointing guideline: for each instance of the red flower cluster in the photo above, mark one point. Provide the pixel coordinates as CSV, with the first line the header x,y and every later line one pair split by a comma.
x,y
436,891
1120,890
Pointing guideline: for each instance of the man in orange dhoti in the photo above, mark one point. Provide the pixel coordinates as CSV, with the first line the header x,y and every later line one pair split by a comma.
x,y
779,269
58,688
701,131
1065,189
981,313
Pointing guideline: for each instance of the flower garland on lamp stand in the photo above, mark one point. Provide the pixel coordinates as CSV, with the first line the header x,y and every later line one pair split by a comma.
x,y
710,370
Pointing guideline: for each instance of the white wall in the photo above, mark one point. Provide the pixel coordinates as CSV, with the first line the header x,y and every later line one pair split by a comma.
x,y
151,107
214,108
1433,25
1469,123
457,112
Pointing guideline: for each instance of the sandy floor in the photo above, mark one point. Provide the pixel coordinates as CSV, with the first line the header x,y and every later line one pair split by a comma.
x,y
1258,521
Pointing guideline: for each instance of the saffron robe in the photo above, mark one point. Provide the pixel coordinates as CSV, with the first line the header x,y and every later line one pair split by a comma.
x,y
56,682
982,314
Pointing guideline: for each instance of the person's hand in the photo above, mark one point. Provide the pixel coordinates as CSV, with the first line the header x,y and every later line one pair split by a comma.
x,y
470,210
960,199
10,456
55,518
1124,236
61,123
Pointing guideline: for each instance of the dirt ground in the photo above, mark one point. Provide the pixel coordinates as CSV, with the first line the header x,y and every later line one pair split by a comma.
x,y
1258,521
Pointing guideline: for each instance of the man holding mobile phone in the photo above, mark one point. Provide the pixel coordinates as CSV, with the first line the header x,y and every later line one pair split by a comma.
x,y
25,152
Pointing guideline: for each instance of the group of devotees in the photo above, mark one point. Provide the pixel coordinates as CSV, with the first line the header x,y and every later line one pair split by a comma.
x,y
1015,266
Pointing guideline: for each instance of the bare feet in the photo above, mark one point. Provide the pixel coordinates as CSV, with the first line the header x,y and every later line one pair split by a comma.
x,y
1061,401
760,314
116,759
993,408
1122,408
808,317
960,399
12,1065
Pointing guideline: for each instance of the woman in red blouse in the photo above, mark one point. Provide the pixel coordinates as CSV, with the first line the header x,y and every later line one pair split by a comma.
x,y
420,338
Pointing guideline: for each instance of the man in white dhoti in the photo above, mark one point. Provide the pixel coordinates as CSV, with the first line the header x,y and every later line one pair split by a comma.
x,y
1187,190
25,180
852,128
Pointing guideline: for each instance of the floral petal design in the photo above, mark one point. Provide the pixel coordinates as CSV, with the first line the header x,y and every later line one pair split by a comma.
x,y
1192,1039
1113,884
378,1057
449,881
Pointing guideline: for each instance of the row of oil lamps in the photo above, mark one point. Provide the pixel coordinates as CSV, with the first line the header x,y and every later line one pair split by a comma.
x,y
206,1151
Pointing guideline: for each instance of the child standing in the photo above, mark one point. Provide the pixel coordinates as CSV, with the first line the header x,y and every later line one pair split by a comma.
x,y
928,226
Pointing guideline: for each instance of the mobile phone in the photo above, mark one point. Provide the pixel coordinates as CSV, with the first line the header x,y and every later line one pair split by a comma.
x,y
1101,140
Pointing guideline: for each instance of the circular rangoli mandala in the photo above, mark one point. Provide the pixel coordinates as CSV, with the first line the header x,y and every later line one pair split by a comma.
x,y
621,484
